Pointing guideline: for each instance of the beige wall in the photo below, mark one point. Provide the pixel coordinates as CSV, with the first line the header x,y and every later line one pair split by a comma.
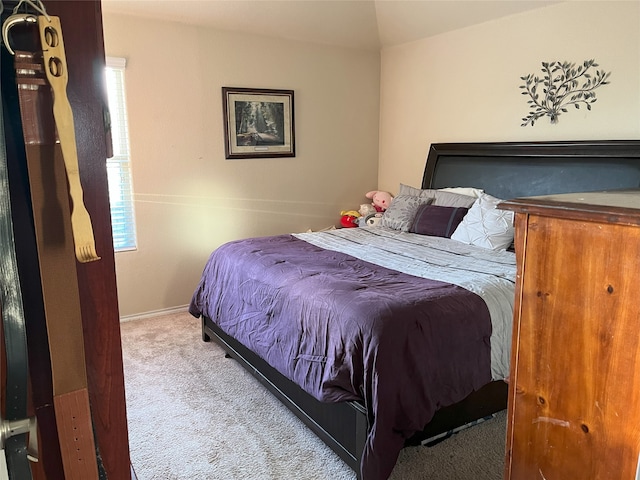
x,y
463,85
459,86
188,198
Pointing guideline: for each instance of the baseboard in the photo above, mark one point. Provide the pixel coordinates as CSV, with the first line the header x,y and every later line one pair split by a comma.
x,y
155,313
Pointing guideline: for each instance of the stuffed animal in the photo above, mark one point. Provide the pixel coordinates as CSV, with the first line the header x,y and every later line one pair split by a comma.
x,y
349,218
367,209
370,220
380,200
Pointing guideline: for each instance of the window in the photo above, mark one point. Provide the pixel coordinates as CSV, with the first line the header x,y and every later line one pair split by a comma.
x,y
119,166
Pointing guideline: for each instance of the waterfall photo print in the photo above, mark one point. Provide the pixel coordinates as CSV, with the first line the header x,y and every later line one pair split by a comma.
x,y
258,123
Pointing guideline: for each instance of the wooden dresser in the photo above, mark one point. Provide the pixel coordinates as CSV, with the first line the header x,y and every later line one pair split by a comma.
x,y
574,390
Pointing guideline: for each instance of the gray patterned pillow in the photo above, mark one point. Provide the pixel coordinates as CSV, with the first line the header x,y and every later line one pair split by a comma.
x,y
441,197
416,192
402,211
449,199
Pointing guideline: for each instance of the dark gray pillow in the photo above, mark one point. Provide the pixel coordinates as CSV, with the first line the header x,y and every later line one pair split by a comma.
x,y
437,221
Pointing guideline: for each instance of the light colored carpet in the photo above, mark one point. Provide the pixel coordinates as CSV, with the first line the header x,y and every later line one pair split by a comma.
x,y
194,414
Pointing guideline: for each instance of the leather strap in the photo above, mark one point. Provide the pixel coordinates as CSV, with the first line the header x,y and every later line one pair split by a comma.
x,y
13,428
56,253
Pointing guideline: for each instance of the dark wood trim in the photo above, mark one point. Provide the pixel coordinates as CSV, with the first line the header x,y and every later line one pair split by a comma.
x,y
82,29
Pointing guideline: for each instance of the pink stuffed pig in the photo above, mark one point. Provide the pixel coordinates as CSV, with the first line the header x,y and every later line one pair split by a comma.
x,y
380,200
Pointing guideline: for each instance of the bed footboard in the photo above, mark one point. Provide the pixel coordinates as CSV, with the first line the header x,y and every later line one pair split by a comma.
x,y
343,426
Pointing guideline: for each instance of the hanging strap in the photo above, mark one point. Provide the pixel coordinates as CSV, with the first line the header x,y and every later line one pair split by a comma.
x,y
55,66
57,260
13,429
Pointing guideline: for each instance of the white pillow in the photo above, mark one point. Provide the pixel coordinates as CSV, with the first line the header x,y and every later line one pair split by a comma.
x,y
486,226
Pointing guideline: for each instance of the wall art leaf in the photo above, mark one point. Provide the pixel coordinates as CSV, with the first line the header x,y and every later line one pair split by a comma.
x,y
563,84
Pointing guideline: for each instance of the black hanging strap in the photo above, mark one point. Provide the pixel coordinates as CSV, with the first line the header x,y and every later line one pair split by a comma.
x,y
14,428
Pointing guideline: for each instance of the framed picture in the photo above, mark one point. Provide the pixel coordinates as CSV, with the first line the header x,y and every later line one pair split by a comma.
x,y
258,123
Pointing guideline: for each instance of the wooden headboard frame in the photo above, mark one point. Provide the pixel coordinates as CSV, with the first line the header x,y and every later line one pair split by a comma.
x,y
509,170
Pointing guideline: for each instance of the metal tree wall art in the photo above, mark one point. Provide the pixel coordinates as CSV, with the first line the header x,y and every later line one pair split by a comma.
x,y
561,85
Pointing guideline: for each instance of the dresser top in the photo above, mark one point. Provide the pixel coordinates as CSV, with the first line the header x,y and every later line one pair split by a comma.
x,y
613,206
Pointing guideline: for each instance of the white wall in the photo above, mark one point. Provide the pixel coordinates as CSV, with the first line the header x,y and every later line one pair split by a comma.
x,y
188,198
462,86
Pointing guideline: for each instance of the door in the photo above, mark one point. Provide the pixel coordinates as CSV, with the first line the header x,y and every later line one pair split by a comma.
x,y
82,29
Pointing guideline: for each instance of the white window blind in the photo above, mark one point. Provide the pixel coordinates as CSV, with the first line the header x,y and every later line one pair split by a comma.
x,y
119,166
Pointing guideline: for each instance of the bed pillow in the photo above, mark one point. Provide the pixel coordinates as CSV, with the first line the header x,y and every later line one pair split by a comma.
x,y
440,197
416,192
402,211
486,226
470,191
437,221
449,199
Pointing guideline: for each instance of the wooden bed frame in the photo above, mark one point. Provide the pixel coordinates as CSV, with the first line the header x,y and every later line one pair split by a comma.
x,y
504,170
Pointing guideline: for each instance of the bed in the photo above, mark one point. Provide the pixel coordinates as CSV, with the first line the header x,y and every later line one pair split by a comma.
x,y
379,337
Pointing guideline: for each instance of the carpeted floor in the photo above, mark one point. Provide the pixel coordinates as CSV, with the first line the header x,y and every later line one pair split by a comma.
x,y
194,414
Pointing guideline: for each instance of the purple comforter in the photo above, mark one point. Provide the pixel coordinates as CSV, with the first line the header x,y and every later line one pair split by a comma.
x,y
344,329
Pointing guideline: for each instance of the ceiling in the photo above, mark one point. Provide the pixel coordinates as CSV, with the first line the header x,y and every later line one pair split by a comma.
x,y
362,24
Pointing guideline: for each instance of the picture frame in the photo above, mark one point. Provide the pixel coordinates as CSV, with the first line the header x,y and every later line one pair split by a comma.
x,y
258,123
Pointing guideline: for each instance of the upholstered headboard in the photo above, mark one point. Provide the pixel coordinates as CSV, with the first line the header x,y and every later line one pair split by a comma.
x,y
510,170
